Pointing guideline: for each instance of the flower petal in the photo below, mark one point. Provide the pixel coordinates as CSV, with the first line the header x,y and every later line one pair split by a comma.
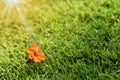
x,y
34,45
36,59
31,55
41,56
29,50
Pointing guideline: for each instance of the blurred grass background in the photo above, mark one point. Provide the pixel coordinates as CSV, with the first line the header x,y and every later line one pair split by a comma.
x,y
81,39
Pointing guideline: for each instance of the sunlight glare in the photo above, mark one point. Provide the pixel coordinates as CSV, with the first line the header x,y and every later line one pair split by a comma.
x,y
12,12
12,2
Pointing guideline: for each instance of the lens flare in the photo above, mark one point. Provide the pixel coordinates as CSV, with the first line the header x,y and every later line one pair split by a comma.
x,y
11,2
15,11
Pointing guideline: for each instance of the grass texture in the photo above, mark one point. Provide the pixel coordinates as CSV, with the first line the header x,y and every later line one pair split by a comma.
x,y
80,38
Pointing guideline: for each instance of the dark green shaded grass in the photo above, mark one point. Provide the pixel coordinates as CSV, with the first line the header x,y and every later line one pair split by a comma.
x,y
79,38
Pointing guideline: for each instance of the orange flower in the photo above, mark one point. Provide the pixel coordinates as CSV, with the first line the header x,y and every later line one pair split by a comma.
x,y
35,53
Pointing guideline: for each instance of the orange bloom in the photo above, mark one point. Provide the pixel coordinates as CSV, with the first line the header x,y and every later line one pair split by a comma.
x,y
35,53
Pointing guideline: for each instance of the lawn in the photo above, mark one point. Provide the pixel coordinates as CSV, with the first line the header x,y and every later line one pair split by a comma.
x,y
80,38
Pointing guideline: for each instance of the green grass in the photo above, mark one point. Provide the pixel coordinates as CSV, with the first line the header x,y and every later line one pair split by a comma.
x,y
80,38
